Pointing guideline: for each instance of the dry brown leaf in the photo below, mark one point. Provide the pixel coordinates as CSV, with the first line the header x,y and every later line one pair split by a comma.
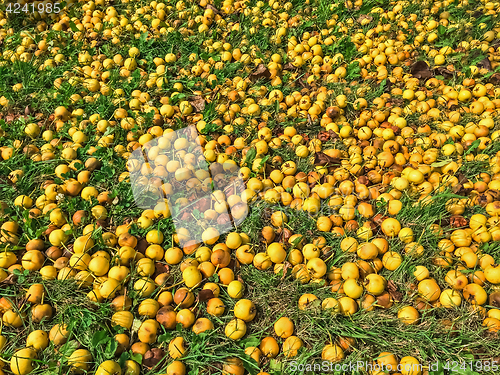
x,y
9,280
286,267
396,295
261,72
214,9
323,159
365,16
495,79
198,103
289,66
442,71
153,357
484,63
458,221
421,70
323,136
205,295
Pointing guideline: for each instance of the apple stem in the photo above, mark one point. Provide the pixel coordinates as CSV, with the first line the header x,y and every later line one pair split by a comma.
x,y
21,307
195,305
172,286
330,257
195,286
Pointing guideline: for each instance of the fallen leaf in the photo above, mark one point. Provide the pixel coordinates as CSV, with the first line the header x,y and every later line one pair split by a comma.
x,y
309,120
457,221
266,213
285,268
153,357
396,295
441,163
323,136
214,9
421,70
9,280
261,72
460,190
198,103
303,83
363,17
378,219
323,159
6,181
442,71
495,79
461,178
223,219
391,286
333,135
387,86
289,66
205,295
142,245
284,234
396,101
161,268
484,63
